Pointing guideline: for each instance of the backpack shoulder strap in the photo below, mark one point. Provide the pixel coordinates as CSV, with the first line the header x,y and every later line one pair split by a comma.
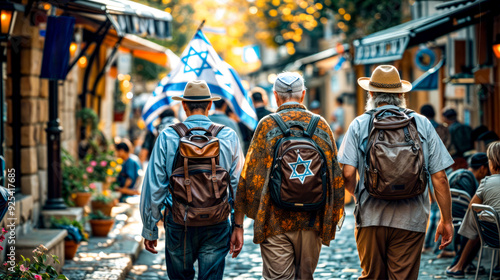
x,y
282,125
215,129
180,128
313,123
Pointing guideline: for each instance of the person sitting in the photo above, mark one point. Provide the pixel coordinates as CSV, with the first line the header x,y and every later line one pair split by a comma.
x,y
130,172
488,193
466,180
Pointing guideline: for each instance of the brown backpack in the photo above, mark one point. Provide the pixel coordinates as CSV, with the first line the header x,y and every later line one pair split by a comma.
x,y
199,186
395,165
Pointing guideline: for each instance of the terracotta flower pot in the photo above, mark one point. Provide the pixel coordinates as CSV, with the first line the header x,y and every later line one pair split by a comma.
x,y
82,198
103,207
70,248
101,227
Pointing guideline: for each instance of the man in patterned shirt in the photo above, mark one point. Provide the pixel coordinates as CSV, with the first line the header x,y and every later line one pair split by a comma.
x,y
290,241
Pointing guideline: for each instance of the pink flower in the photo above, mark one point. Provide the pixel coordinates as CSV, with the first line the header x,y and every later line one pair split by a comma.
x,y
2,238
1,248
5,264
90,169
92,185
93,163
23,268
38,277
4,231
103,163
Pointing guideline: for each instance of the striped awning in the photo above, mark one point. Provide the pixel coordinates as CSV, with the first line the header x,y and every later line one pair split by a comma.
x,y
127,17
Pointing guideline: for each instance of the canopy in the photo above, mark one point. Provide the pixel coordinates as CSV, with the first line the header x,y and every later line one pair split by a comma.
x,y
390,44
429,80
127,17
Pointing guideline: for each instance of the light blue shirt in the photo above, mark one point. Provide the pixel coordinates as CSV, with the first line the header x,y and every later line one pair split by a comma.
x,y
408,214
155,194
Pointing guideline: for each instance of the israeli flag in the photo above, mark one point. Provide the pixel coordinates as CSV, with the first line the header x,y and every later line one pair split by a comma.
x,y
200,61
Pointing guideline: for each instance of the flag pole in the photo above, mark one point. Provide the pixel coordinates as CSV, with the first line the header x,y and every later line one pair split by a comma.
x,y
201,25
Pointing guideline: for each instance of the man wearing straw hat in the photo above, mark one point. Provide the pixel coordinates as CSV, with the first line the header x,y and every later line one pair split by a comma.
x,y
185,244
390,232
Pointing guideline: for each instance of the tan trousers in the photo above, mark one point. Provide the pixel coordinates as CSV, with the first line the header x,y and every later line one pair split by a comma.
x,y
291,255
389,253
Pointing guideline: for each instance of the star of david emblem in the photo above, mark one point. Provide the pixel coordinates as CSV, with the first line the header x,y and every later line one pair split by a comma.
x,y
193,54
307,171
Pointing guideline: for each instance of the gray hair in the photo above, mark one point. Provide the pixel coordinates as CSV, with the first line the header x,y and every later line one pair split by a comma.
x,y
380,98
297,94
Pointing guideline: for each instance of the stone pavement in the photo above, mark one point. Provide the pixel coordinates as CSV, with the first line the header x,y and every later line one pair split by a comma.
x,y
108,257
339,261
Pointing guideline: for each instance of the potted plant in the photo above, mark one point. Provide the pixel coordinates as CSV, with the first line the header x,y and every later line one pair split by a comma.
x,y
100,224
26,269
75,190
101,168
103,202
76,235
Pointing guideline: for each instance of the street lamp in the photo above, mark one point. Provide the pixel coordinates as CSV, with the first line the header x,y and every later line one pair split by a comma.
x,y
8,13
496,47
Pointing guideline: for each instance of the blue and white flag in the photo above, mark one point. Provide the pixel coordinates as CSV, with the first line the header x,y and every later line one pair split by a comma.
x,y
200,61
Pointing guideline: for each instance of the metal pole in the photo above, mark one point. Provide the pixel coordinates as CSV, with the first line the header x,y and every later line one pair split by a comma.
x,y
16,109
2,101
54,130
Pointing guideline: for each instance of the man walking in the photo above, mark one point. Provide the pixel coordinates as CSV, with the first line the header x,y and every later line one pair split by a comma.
x,y
194,165
393,150
219,116
259,98
291,186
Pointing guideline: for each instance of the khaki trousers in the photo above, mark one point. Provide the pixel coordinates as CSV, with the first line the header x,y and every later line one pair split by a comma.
x,y
389,253
291,255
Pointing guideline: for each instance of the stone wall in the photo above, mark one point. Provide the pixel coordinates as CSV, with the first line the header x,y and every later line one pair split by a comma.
x,y
34,114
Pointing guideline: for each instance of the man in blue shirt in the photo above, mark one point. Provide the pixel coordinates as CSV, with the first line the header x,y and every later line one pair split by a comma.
x,y
130,171
207,244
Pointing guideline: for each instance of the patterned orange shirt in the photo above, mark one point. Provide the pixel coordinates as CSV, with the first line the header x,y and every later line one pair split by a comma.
x,y
253,197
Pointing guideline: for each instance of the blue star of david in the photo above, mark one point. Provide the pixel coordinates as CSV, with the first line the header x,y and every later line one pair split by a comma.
x,y
193,53
307,172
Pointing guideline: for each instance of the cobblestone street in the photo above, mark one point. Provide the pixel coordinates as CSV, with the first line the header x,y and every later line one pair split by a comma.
x,y
339,261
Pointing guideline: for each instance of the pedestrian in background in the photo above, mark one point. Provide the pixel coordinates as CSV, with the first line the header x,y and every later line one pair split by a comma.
x,y
488,193
315,107
338,121
287,160
443,132
260,100
194,168
219,116
165,119
461,138
391,216
128,176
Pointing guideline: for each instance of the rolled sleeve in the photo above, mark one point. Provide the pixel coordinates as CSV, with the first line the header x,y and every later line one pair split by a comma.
x,y
348,153
154,189
237,162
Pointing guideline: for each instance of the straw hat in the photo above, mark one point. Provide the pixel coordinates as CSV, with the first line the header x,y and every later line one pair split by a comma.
x,y
385,78
196,91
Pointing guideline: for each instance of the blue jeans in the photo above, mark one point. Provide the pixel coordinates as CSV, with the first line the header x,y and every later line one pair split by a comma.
x,y
431,230
209,245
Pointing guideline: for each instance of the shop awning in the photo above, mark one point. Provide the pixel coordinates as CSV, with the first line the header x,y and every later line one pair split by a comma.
x,y
390,44
127,17
144,49
429,80
329,53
